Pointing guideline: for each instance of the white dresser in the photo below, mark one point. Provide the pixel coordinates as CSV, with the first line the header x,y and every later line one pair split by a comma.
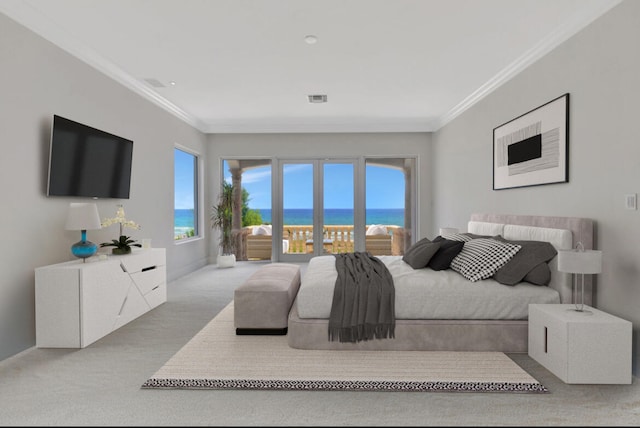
x,y
592,347
80,302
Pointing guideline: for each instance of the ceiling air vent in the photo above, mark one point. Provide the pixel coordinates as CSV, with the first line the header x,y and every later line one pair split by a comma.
x,y
317,99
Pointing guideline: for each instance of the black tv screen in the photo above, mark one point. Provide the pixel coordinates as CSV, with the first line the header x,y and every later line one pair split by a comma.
x,y
87,162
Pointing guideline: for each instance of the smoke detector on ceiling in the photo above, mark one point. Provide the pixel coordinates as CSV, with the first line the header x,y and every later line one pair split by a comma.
x,y
316,99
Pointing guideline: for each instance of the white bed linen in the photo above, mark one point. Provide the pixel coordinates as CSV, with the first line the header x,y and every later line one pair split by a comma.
x,y
427,294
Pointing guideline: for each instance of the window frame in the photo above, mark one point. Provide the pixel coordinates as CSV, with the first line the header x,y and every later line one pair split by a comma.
x,y
197,192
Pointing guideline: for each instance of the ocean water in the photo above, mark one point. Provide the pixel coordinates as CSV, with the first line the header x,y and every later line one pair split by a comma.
x,y
182,222
184,217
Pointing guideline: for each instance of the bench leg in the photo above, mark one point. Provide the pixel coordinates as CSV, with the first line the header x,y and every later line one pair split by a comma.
x,y
261,331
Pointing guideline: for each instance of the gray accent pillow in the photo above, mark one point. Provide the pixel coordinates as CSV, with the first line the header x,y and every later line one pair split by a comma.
x,y
539,275
447,252
419,254
529,257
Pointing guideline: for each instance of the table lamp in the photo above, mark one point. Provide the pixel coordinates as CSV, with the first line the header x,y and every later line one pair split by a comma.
x,y
83,216
579,261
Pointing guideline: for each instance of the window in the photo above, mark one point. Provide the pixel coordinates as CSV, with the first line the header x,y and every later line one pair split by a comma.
x,y
185,220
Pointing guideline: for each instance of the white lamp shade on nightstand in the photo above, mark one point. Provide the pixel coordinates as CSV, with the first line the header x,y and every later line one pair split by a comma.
x,y
577,261
82,216
582,262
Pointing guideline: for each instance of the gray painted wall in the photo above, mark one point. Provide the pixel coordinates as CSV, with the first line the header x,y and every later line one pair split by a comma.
x,y
39,80
600,68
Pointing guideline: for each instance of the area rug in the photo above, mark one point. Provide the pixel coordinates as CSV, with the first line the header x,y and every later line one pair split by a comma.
x,y
215,358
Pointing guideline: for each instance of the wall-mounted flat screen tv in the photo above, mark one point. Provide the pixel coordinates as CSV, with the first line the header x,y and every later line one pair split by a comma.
x,y
87,162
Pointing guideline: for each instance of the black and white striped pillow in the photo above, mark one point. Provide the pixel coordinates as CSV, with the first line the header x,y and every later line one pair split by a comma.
x,y
481,258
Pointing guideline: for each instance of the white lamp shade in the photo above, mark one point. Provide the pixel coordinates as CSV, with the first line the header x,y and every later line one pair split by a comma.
x,y
576,261
82,216
448,230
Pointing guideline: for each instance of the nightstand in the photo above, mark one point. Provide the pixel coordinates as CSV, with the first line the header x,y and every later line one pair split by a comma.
x,y
581,347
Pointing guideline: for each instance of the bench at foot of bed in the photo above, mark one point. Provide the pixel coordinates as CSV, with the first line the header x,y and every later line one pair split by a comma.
x,y
262,302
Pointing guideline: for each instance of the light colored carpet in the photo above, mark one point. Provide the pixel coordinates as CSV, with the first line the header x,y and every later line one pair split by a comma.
x,y
216,358
100,385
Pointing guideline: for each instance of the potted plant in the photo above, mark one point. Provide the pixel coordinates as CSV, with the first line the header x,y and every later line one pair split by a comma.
x,y
222,219
124,243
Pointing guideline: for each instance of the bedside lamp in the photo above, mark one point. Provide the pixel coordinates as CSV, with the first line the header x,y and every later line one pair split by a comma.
x,y
83,216
579,261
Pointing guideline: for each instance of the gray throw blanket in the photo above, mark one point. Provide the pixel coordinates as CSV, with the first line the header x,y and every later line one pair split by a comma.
x,y
363,305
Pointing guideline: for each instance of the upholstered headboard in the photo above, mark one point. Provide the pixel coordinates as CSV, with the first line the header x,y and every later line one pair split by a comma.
x,y
568,232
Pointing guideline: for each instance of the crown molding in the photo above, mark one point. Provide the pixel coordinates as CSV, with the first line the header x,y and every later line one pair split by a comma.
x,y
348,125
26,14
546,45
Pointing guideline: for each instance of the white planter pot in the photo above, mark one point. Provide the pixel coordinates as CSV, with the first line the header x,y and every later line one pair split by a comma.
x,y
226,261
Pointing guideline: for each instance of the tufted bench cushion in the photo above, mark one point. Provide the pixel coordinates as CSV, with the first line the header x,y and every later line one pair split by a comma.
x,y
262,302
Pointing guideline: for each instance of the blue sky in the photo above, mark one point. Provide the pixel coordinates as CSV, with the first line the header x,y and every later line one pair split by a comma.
x,y
183,171
383,185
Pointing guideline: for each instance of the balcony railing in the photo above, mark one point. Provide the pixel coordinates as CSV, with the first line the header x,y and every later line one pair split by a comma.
x,y
336,239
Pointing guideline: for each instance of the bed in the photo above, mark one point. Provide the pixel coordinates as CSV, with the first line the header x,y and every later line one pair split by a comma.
x,y
482,315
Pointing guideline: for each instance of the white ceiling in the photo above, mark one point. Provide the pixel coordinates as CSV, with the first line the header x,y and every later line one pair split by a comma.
x,y
244,66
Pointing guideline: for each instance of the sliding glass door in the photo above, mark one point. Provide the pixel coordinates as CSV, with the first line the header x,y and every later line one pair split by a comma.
x,y
312,207
338,203
252,230
317,208
297,211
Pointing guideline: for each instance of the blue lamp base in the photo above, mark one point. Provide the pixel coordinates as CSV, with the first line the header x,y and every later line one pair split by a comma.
x,y
84,248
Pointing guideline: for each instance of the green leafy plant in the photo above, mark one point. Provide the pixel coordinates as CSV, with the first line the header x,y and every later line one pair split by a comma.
x,y
222,218
122,245
250,217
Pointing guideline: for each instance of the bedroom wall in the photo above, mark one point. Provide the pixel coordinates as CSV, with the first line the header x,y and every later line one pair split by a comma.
x,y
599,67
323,145
38,80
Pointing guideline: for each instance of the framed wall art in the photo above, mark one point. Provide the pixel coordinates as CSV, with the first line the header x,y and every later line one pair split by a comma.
x,y
533,149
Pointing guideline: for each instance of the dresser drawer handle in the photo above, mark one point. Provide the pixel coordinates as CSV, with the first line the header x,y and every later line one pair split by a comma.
x,y
546,333
148,268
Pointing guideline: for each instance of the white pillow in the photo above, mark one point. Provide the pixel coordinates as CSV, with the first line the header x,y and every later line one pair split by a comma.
x,y
262,230
377,229
481,258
